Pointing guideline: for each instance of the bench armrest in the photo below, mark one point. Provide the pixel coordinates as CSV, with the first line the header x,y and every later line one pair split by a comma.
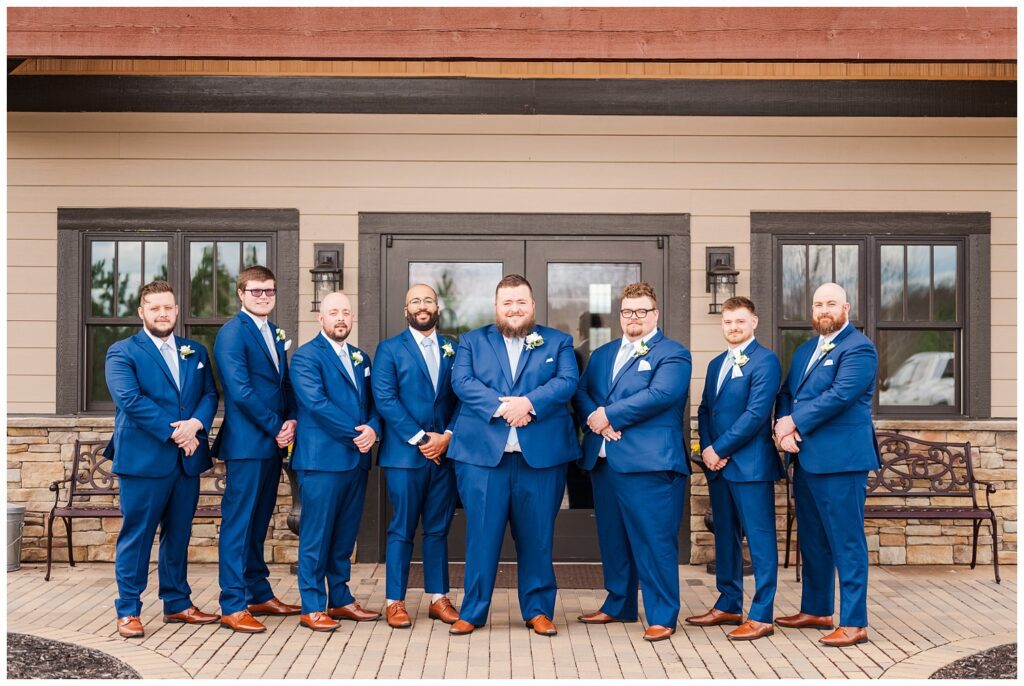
x,y
55,487
989,488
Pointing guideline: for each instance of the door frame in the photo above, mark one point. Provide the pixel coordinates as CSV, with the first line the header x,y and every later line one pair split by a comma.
x,y
377,228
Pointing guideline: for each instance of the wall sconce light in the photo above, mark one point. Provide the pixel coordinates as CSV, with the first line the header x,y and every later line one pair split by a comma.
x,y
327,272
721,277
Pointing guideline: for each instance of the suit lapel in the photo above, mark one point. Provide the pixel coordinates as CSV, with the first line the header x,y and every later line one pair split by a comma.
x,y
411,345
837,341
333,359
633,359
524,359
185,367
249,325
748,351
446,365
716,391
498,343
148,348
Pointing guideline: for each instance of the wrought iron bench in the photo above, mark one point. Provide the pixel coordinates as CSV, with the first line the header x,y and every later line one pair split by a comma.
x,y
91,491
913,473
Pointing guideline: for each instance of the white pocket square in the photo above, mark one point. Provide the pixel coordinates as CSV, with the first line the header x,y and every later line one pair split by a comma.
x,y
736,372
366,372
200,365
287,345
644,366
827,363
550,359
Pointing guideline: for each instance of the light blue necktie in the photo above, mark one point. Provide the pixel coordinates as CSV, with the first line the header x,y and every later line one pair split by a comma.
x,y
622,358
726,366
347,363
814,357
172,362
431,360
265,330
515,352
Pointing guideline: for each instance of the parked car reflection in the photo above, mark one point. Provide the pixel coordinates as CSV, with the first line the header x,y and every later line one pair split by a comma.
x,y
922,379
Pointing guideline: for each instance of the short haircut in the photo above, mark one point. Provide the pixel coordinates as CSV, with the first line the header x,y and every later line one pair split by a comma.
x,y
154,287
737,302
256,272
513,281
641,289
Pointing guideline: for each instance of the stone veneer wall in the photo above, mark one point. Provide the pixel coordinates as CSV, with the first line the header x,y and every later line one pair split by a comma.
x,y
912,541
39,451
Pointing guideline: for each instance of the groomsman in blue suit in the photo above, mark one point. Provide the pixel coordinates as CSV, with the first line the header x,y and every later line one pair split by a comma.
x,y
512,441
412,390
165,400
259,423
631,403
742,466
824,424
338,426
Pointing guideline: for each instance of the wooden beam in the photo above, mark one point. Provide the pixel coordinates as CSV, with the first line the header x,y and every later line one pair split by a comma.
x,y
533,33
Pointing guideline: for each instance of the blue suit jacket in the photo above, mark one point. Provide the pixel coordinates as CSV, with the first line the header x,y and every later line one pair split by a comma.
x,y
257,396
405,397
547,375
647,406
737,420
831,406
147,401
330,409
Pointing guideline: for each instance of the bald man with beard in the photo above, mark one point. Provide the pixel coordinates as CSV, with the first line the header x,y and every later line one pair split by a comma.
x,y
823,423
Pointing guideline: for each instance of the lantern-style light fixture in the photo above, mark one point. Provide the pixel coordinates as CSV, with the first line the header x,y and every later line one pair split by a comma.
x,y
327,272
721,277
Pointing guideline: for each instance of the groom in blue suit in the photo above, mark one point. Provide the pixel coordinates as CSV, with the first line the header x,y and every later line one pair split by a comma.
x,y
412,390
338,426
165,400
259,423
824,424
742,466
631,404
512,440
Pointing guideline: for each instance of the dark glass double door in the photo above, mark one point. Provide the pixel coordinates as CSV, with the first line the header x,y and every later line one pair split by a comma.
x,y
576,283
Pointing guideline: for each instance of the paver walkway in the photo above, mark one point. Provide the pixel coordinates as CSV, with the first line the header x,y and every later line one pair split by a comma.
x,y
922,618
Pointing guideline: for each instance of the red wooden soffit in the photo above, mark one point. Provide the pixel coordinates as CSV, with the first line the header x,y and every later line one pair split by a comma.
x,y
533,33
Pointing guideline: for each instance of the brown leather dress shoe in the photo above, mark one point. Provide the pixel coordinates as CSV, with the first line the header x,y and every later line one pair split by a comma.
x,y
354,612
193,615
318,621
274,607
802,620
750,630
845,636
714,617
442,609
243,622
398,618
657,633
602,618
130,627
461,627
542,625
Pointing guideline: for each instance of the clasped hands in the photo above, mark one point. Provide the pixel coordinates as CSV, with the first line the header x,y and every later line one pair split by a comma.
x,y
712,460
599,424
787,435
516,410
436,446
184,435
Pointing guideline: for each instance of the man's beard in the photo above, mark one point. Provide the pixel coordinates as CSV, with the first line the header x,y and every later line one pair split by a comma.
x,y
161,330
337,337
508,331
825,324
425,326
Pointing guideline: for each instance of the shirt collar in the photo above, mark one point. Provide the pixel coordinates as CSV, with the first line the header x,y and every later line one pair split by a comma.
x,y
740,348
160,344
419,337
637,342
260,321
339,348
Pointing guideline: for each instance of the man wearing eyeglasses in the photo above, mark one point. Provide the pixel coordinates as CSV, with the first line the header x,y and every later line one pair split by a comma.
x,y
259,423
412,390
631,405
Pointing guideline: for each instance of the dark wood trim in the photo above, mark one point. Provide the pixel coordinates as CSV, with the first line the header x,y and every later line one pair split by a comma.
x,y
423,95
376,228
518,33
75,223
872,223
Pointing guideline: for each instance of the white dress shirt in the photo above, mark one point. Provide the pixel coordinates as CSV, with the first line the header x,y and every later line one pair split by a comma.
x,y
635,345
514,349
342,351
260,323
822,341
731,353
435,350
159,347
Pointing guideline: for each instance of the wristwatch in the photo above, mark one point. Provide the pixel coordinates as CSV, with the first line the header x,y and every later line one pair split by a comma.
x,y
424,439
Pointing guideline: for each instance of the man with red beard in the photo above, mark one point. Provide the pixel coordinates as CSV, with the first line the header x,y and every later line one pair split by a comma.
x,y
823,422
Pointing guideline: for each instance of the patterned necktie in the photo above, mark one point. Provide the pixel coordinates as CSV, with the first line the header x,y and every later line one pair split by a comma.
x,y
726,366
431,360
265,330
623,357
172,362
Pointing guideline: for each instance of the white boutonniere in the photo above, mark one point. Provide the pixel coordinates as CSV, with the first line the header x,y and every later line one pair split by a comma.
x,y
534,340
641,349
827,348
741,359
185,351
281,335
357,357
448,350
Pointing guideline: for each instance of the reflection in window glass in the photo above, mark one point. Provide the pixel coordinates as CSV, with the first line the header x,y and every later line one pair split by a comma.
x,y
156,261
791,340
848,276
206,335
465,292
129,277
892,282
794,283
917,368
919,282
200,263
944,297
102,337
102,278
229,258
253,254
819,265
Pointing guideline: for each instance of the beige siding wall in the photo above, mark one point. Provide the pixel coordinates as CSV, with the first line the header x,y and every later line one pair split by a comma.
x,y
331,167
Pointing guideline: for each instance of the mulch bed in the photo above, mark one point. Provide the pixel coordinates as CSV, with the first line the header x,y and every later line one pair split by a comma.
x,y
995,663
31,657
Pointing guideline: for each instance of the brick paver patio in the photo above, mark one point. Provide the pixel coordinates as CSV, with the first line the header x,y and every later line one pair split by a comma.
x,y
922,618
